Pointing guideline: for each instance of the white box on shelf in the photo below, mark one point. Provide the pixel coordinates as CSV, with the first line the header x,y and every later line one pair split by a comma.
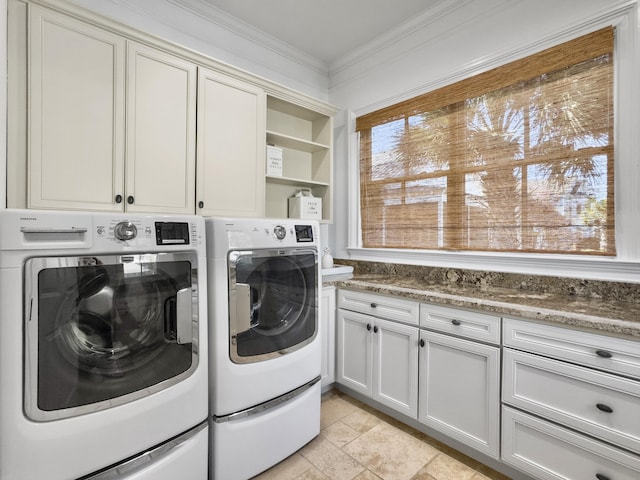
x,y
305,206
274,161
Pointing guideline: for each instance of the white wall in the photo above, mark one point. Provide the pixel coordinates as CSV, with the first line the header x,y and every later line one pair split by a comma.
x,y
464,38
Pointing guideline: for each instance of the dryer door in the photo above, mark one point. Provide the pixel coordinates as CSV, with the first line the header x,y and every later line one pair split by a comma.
x,y
273,302
105,330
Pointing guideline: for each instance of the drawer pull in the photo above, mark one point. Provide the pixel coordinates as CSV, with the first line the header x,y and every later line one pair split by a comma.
x,y
600,476
604,408
455,322
603,354
375,329
374,305
368,326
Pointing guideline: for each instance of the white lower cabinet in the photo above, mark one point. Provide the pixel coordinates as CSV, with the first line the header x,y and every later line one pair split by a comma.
x,y
460,390
550,452
328,332
572,415
600,404
570,399
379,359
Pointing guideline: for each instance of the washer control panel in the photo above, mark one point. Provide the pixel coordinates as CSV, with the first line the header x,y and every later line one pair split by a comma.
x,y
125,231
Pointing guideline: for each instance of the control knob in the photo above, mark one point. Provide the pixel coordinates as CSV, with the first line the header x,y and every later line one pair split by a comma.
x,y
280,232
125,231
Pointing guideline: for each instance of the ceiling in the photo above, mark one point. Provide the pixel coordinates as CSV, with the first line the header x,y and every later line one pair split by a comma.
x,y
325,29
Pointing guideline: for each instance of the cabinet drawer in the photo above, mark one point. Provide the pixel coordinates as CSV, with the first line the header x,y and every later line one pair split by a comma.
x,y
614,355
602,405
473,325
390,308
547,451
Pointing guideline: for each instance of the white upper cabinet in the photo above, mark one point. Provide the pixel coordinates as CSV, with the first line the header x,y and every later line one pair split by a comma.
x,y
161,132
113,119
76,113
84,81
231,146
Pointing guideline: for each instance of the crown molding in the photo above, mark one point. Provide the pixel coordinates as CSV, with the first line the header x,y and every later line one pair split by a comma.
x,y
392,37
221,19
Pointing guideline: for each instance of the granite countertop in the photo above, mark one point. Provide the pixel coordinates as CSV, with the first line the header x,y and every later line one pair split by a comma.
x,y
617,316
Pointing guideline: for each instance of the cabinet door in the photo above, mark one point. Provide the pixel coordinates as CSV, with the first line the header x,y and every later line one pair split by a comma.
x,y
231,147
76,113
395,366
354,351
328,332
161,129
459,390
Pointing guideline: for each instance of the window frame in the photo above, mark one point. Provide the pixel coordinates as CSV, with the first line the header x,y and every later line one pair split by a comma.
x,y
625,265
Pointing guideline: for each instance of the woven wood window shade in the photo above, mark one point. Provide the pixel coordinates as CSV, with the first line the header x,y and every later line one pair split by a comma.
x,y
519,158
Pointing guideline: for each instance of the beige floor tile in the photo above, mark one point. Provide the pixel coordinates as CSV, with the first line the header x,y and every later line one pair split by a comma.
x,y
367,475
330,460
443,467
386,449
289,469
334,409
339,433
390,453
479,476
361,421
313,474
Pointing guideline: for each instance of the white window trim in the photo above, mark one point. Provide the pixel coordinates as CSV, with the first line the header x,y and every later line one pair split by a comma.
x,y
625,266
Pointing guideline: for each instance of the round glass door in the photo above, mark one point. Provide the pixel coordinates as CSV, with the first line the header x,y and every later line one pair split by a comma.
x,y
273,303
105,333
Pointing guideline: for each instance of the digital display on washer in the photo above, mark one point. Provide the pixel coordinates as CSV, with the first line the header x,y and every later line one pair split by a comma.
x,y
304,233
172,233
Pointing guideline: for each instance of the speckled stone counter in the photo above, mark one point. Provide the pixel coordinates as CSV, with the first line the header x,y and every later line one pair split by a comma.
x,y
609,307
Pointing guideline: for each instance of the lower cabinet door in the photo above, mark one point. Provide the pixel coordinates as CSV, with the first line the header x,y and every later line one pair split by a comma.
x,y
547,451
354,350
460,390
395,366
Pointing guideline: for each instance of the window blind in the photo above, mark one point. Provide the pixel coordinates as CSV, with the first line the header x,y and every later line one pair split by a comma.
x,y
518,158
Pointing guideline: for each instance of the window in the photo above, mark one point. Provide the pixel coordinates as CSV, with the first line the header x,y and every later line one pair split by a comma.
x,y
519,158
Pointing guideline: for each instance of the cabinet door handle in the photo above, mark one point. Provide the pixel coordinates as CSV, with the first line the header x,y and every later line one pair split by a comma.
x,y
455,322
375,329
600,476
118,198
368,326
130,199
422,342
604,408
200,204
374,305
603,354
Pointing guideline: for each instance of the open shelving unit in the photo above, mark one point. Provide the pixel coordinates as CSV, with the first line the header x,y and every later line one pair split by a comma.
x,y
305,136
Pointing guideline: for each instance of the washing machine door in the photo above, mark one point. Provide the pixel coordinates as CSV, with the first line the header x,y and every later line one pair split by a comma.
x,y
273,302
105,330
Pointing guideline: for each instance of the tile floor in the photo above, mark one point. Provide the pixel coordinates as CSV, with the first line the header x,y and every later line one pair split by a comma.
x,y
357,442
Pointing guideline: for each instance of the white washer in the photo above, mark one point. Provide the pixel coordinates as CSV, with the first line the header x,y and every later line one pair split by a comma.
x,y
103,357
264,287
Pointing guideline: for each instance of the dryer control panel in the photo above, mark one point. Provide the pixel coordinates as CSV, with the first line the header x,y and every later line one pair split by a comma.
x,y
304,233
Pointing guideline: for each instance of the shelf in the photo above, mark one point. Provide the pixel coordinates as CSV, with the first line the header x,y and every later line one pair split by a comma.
x,y
295,182
305,136
287,141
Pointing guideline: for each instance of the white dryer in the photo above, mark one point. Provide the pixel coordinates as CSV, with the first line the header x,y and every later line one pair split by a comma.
x,y
103,354
264,287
